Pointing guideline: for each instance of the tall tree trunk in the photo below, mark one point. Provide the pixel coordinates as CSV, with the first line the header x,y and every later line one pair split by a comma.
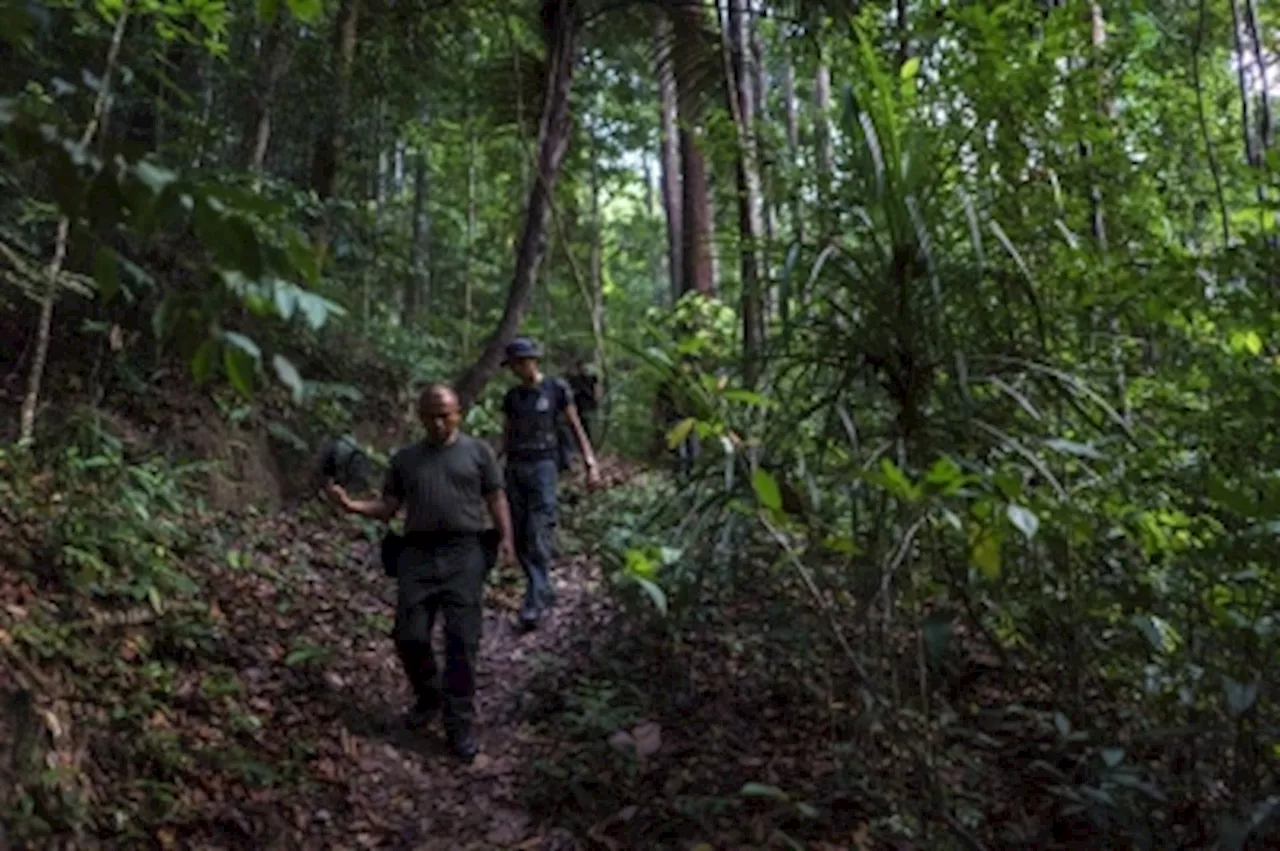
x,y
825,152
471,241
53,282
742,104
273,61
672,199
561,31
690,52
764,154
792,121
416,282
332,139
596,271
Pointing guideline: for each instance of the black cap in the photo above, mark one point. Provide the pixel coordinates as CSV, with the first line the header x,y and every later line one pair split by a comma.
x,y
521,347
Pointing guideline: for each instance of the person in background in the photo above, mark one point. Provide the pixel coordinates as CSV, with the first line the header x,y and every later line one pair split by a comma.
x,y
531,444
587,392
451,489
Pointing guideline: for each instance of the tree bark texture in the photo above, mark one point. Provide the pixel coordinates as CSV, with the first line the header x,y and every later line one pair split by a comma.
x,y
672,198
690,54
742,102
273,61
332,139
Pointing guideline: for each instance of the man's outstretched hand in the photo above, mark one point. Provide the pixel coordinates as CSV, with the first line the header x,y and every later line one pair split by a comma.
x,y
338,495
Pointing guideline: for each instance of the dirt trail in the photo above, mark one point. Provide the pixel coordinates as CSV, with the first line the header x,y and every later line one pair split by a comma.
x,y
369,782
411,793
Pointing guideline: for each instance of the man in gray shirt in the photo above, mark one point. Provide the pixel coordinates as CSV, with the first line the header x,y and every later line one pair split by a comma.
x,y
451,489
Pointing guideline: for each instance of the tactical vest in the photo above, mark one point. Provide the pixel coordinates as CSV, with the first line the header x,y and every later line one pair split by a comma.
x,y
534,432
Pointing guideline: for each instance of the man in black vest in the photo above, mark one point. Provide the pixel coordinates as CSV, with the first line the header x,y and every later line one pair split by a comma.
x,y
451,489
531,441
586,396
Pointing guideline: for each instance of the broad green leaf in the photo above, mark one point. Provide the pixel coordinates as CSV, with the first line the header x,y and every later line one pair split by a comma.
x,y
763,790
639,565
154,177
766,488
655,593
910,68
289,376
984,552
306,11
243,343
106,273
897,482
286,299
945,475
1025,521
1112,757
845,546
202,361
239,365
1246,341
1159,632
680,432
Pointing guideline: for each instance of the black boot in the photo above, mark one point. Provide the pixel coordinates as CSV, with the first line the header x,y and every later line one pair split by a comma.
x,y
421,713
529,614
463,744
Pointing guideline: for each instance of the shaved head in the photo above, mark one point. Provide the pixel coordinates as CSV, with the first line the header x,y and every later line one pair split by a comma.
x,y
439,411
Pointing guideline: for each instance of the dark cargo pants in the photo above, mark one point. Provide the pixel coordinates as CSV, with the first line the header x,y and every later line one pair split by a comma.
x,y
531,493
442,574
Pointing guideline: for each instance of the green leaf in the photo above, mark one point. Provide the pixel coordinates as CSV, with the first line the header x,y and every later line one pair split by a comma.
x,y
289,376
766,488
106,273
763,790
1112,757
655,593
1071,447
243,343
1025,521
984,552
239,365
945,476
153,176
286,299
845,546
1159,632
306,11
910,68
639,565
1246,341
267,10
1240,696
679,433
747,397
202,361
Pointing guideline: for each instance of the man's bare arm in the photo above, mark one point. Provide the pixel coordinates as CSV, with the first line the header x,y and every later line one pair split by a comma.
x,y
380,508
501,513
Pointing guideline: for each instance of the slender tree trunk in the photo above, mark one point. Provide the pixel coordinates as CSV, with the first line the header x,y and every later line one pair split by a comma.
x,y
690,51
416,282
471,241
44,330
764,155
561,30
273,61
672,198
332,139
825,153
792,122
742,103
597,257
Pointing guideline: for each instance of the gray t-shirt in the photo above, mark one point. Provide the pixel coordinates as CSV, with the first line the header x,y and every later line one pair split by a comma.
x,y
443,488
